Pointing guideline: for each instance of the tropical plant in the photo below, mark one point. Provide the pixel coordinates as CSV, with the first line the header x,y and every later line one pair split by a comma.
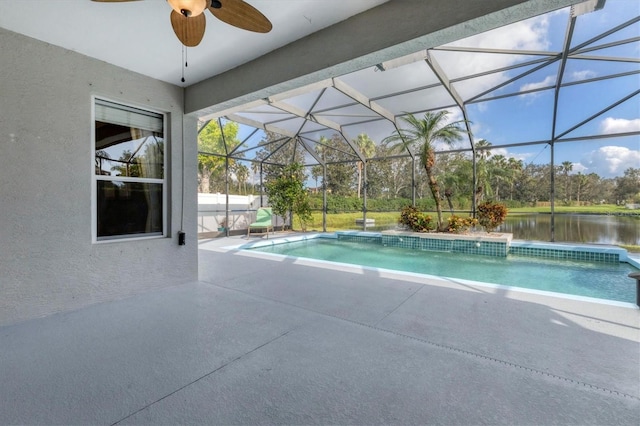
x,y
459,224
367,148
415,220
491,215
242,175
483,152
515,171
316,173
456,175
421,136
565,168
287,195
498,173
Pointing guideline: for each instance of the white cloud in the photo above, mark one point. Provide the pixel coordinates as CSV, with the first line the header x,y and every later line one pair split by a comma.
x,y
582,75
610,161
478,128
619,125
505,152
578,167
455,114
482,106
500,151
531,34
549,80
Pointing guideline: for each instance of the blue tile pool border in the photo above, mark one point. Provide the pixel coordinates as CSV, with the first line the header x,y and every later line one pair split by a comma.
x,y
482,245
579,252
633,259
470,244
605,254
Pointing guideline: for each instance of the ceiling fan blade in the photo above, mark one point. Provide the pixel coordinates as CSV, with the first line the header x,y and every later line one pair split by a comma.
x,y
188,30
242,15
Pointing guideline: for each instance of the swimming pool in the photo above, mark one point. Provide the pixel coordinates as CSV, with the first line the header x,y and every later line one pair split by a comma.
x,y
582,278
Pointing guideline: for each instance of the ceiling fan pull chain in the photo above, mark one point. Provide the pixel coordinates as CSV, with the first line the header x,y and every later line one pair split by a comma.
x,y
184,60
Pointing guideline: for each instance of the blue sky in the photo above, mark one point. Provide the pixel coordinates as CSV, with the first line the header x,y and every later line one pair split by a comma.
x,y
529,117
518,119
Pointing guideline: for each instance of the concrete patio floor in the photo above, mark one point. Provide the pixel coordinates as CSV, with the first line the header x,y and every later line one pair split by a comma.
x,y
263,341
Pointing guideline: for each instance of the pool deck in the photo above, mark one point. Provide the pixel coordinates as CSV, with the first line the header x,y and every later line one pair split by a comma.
x,y
264,340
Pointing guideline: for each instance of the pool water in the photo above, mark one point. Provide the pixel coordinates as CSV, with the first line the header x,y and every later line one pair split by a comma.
x,y
591,279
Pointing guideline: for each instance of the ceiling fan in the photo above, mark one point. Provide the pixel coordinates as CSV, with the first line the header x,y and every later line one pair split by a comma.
x,y
189,22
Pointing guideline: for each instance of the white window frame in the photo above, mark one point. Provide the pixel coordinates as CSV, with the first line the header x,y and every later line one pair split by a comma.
x,y
95,178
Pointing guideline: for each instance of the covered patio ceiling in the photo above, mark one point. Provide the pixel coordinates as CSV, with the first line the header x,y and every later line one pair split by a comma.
x,y
576,65
137,35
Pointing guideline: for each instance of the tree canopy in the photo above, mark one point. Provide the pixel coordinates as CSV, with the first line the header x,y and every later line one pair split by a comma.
x,y
212,149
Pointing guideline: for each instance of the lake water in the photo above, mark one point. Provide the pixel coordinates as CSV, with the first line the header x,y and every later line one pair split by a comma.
x,y
574,228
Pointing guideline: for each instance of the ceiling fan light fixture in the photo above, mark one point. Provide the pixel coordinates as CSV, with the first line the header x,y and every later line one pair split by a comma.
x,y
188,8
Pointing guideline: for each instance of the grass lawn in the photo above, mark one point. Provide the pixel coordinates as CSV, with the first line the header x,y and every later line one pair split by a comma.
x,y
338,221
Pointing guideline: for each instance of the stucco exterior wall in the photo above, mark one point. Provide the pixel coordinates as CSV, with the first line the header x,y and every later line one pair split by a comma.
x,y
48,262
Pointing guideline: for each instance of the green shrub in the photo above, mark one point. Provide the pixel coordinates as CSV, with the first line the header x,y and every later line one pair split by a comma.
x,y
459,224
415,220
491,215
287,194
386,204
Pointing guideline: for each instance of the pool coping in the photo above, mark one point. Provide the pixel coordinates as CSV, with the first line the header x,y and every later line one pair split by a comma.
x,y
391,273
476,236
624,256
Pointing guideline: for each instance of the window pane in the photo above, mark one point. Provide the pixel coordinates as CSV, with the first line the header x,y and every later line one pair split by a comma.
x,y
126,208
124,115
128,151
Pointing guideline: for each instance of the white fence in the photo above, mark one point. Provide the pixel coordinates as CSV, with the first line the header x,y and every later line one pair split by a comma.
x,y
212,211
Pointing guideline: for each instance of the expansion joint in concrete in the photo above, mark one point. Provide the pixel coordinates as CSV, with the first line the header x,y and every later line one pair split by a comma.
x,y
444,347
239,357
399,305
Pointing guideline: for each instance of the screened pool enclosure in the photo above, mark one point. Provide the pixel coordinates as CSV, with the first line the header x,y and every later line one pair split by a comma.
x,y
548,106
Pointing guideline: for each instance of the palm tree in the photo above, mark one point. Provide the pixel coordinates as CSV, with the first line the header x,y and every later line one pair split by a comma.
x,y
481,149
515,170
482,154
242,175
566,167
422,135
499,172
367,148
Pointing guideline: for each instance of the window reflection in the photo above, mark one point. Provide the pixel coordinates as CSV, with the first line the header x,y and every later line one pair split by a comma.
x,y
128,151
